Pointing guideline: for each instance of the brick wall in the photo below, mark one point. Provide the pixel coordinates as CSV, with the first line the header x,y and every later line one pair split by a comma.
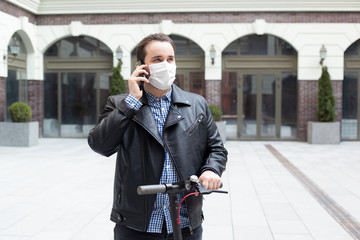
x,y
307,104
212,17
2,99
228,17
35,100
16,11
213,92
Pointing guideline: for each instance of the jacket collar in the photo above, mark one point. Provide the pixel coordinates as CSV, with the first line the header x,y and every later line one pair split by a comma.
x,y
145,117
178,96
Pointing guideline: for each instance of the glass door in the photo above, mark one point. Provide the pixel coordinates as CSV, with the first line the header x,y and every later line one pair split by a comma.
x,y
72,102
78,103
229,103
349,123
268,113
260,105
248,96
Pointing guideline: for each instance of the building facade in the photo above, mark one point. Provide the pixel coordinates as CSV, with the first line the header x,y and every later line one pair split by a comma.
x,y
259,62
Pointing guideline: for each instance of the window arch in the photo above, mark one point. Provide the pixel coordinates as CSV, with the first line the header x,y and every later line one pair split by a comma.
x,y
81,47
259,45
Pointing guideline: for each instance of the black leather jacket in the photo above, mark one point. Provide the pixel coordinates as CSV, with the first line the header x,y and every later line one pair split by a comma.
x,y
190,136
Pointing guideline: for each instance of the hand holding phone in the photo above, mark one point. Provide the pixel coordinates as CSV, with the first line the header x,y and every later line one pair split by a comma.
x,y
137,79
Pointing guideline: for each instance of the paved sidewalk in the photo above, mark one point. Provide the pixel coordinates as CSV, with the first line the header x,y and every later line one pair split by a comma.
x,y
61,190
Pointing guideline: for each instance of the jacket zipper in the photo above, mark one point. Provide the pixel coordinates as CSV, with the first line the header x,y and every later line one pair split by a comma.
x,y
197,122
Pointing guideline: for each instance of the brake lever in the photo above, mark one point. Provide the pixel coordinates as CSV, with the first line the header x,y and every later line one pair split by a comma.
x,y
202,190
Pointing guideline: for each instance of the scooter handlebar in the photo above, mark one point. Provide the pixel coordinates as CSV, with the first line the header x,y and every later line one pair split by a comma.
x,y
151,189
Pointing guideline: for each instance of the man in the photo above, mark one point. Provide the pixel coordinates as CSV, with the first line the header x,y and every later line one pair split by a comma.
x,y
161,135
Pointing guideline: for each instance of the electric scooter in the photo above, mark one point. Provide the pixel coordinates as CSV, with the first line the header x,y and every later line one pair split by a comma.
x,y
189,187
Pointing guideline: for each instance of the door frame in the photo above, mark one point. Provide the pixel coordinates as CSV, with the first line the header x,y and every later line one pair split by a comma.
x,y
259,73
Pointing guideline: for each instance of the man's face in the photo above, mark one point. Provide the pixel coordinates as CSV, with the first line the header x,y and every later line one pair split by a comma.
x,y
157,51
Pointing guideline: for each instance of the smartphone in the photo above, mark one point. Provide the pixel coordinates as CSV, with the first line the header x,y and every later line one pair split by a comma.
x,y
141,83
139,64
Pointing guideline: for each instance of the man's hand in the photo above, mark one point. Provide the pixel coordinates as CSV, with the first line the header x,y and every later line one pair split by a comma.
x,y
133,81
210,180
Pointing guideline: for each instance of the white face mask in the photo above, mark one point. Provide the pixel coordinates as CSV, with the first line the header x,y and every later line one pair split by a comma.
x,y
162,75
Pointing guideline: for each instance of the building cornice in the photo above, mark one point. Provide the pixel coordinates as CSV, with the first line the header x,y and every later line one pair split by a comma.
x,y
50,7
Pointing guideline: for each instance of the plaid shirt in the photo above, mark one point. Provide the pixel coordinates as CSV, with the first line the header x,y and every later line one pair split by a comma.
x,y
160,108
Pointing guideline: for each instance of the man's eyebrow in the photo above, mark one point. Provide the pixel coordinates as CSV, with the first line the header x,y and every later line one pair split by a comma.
x,y
159,56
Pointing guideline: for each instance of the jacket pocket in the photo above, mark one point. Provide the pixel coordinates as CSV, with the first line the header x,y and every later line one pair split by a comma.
x,y
196,124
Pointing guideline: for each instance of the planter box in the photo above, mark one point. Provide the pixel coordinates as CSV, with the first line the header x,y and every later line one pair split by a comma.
x,y
221,125
19,134
323,132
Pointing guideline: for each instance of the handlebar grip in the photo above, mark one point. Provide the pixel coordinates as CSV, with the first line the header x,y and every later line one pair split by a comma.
x,y
151,189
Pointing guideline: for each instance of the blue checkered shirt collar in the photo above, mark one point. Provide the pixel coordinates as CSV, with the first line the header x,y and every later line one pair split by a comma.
x,y
152,100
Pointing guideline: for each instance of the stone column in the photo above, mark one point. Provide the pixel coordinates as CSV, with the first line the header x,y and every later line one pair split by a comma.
x,y
2,99
307,104
213,92
35,100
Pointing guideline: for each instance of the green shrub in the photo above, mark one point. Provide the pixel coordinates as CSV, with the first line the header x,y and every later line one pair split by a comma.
x,y
216,112
117,85
20,112
326,100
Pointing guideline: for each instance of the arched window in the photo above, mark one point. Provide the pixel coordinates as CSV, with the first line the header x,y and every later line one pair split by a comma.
x,y
16,84
350,128
76,86
259,96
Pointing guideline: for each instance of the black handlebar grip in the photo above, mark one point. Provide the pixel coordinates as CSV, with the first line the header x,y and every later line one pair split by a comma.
x,y
151,189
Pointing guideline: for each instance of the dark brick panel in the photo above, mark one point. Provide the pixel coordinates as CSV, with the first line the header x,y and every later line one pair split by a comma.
x,y
2,99
213,92
307,104
35,100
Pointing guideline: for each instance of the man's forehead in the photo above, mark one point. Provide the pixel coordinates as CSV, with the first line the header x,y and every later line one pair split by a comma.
x,y
158,45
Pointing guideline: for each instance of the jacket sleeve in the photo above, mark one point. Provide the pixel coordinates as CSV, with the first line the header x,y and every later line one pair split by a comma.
x,y
216,156
107,134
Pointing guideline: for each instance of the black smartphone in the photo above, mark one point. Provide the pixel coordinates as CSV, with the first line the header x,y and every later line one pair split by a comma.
x,y
139,64
141,83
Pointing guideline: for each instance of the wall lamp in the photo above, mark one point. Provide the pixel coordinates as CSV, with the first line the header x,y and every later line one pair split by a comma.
x,y
13,49
119,53
322,54
212,54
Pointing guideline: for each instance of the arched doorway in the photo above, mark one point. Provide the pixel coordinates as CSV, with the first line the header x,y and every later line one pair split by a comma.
x,y
190,73
350,124
16,81
76,86
259,88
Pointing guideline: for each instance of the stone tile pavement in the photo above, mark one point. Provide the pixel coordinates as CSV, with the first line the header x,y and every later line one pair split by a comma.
x,y
61,190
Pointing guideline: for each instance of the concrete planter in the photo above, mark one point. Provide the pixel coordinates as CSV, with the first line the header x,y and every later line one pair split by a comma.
x,y
323,132
221,125
19,134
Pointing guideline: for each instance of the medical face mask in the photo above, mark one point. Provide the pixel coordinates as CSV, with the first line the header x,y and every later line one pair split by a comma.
x,y
162,75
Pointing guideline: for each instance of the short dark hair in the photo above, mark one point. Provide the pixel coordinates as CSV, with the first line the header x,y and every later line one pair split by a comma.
x,y
140,49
